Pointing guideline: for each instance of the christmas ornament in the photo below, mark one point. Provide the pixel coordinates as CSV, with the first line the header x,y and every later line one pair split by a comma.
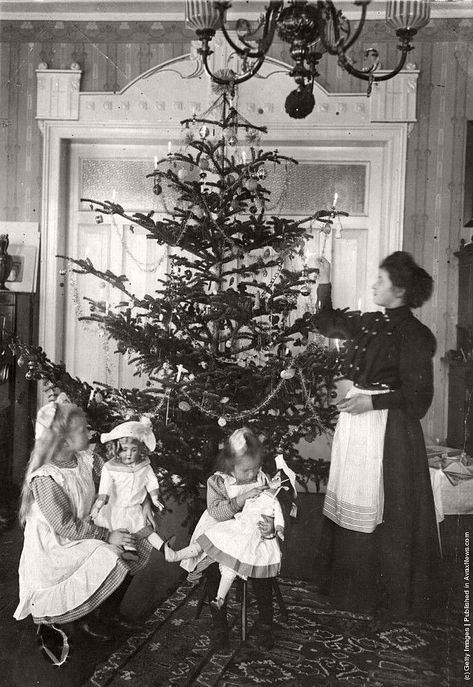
x,y
157,188
204,163
221,422
184,406
262,173
251,184
182,173
98,219
288,373
204,131
232,141
300,103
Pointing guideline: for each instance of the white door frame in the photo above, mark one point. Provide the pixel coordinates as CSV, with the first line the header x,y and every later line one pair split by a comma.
x,y
150,109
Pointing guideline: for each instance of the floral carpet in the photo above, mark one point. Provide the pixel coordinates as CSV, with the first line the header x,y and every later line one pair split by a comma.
x,y
318,645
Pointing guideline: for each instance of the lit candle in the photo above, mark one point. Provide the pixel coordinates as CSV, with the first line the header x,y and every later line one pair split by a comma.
x,y
156,162
243,156
335,198
359,304
337,345
169,147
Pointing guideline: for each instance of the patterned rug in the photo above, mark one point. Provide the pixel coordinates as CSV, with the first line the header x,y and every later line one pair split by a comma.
x,y
317,646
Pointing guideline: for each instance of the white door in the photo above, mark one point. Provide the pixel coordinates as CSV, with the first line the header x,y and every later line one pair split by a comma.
x,y
107,172
353,176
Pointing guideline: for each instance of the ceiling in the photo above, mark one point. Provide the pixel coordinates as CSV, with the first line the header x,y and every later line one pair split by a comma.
x,y
173,10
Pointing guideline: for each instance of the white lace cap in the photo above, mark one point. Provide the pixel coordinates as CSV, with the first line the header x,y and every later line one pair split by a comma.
x,y
142,431
238,440
44,418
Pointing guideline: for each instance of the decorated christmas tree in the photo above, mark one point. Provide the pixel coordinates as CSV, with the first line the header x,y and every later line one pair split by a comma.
x,y
222,342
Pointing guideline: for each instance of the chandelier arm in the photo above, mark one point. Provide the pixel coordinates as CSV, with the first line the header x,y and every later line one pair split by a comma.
x,y
364,6
268,33
237,79
368,74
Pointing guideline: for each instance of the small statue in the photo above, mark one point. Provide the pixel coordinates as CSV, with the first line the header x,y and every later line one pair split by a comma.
x,y
6,261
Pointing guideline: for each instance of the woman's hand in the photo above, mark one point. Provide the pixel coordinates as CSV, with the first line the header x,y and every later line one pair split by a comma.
x,y
266,526
121,538
323,265
251,494
360,403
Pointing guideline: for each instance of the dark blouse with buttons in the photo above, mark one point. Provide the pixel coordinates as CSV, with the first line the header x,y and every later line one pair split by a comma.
x,y
392,350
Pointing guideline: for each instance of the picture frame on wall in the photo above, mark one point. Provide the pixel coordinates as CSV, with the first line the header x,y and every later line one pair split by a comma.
x,y
24,249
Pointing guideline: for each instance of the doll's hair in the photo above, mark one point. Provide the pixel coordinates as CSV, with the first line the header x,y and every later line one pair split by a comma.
x,y
46,447
113,447
229,456
406,274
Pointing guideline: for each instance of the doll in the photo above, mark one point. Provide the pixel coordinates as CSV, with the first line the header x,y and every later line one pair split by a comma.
x,y
126,480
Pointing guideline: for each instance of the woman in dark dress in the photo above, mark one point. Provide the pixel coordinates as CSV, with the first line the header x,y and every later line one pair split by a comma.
x,y
381,549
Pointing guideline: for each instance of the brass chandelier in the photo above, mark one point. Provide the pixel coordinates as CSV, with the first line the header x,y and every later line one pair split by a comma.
x,y
311,29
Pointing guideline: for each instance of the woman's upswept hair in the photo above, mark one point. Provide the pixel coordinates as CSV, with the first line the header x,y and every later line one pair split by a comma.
x,y
112,449
229,455
45,448
406,274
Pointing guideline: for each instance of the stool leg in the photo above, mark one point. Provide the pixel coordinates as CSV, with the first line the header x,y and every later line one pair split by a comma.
x,y
203,596
244,598
280,600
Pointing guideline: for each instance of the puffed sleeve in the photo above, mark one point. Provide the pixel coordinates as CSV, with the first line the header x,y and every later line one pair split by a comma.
x,y
105,485
417,348
152,484
334,323
219,505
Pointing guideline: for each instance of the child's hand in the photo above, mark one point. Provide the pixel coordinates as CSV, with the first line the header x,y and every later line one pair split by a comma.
x,y
121,538
266,525
251,494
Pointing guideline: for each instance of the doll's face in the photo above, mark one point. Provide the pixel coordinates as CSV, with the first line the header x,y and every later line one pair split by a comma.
x,y
275,481
129,451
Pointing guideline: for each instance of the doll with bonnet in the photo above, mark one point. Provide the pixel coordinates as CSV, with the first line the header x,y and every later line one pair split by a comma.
x,y
127,478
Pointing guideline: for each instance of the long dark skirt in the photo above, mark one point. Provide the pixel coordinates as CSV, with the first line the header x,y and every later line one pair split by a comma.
x,y
395,570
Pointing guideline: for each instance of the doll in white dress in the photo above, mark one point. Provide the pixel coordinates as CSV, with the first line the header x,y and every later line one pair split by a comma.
x,y
125,482
238,544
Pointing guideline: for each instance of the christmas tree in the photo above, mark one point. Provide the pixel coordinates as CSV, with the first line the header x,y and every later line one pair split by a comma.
x,y
219,343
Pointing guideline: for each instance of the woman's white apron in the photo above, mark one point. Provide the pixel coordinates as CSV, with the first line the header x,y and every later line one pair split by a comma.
x,y
354,497
56,574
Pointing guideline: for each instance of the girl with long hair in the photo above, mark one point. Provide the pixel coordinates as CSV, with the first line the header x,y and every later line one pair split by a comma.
x,y
69,566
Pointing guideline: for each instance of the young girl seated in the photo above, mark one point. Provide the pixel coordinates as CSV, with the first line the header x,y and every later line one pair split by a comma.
x,y
126,480
237,544
68,566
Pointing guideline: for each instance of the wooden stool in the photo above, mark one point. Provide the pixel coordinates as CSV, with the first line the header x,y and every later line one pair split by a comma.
x,y
244,603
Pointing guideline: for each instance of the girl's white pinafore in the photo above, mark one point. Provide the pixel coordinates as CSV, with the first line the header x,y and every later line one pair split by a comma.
x,y
237,543
56,574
